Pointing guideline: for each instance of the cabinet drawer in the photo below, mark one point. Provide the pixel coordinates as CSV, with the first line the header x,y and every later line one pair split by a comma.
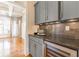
x,y
38,40
34,39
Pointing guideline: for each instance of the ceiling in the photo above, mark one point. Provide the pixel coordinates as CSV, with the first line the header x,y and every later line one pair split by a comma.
x,y
14,8
21,3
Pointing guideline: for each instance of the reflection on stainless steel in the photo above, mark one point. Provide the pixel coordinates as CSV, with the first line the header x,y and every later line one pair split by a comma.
x,y
58,30
57,33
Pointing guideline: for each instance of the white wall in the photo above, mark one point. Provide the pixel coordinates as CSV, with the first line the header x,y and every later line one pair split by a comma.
x,y
25,30
24,33
24,26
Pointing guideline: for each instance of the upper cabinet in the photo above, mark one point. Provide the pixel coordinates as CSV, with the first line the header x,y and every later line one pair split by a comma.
x,y
69,10
37,13
40,12
46,11
52,11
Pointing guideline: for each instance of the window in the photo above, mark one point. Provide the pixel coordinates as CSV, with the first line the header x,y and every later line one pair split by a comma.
x,y
4,25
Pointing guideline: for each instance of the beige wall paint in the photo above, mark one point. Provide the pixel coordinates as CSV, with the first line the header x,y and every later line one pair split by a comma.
x,y
31,18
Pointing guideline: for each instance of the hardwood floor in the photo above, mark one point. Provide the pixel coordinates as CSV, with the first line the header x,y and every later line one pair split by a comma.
x,y
17,48
12,47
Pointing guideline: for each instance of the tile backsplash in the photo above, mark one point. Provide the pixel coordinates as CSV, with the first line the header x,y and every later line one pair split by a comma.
x,y
65,30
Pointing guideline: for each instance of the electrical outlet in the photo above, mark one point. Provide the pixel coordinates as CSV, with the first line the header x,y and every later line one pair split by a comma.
x,y
67,28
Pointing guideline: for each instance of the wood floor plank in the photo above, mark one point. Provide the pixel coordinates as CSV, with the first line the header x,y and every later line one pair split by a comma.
x,y
17,50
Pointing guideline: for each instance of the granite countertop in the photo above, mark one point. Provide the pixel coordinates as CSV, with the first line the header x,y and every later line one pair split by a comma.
x,y
38,36
66,42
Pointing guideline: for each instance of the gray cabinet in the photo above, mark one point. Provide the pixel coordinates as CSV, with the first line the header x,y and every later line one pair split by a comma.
x,y
40,12
39,50
52,11
37,13
69,10
36,47
32,47
46,11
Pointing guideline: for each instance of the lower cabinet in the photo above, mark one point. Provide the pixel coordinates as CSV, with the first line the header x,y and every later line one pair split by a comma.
x,y
40,48
32,48
36,47
39,52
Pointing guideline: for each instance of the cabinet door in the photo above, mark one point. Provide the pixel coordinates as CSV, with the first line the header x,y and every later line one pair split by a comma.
x,y
39,52
33,48
36,47
40,12
37,13
52,11
70,9
31,45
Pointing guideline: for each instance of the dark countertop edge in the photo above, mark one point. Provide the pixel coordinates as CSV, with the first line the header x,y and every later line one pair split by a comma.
x,y
73,48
